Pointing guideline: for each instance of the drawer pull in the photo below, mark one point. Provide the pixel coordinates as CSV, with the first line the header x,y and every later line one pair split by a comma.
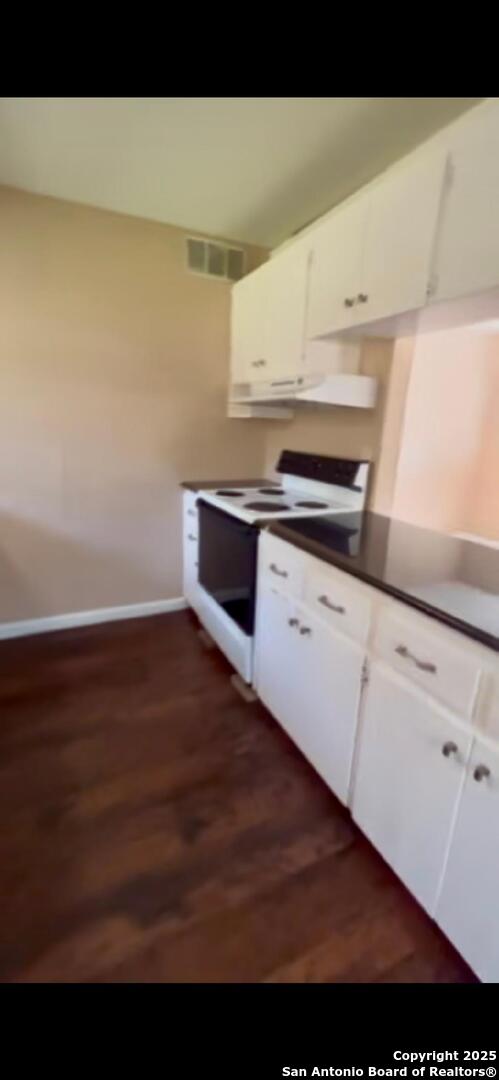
x,y
349,301
449,748
362,298
191,537
423,665
329,604
481,772
305,630
275,570
293,622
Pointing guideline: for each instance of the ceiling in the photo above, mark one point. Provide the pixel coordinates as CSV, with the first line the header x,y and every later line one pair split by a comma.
x,y
252,169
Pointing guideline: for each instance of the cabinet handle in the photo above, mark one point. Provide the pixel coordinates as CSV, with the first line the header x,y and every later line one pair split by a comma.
x,y
191,513
362,298
423,665
481,772
349,301
305,630
329,604
275,570
191,537
293,622
258,363
449,748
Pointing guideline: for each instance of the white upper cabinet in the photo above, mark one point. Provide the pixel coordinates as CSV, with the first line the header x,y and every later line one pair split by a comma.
x,y
468,242
247,327
268,318
400,232
336,268
372,258
469,901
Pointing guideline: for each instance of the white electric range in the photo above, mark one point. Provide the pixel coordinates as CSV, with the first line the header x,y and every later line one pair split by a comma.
x,y
230,519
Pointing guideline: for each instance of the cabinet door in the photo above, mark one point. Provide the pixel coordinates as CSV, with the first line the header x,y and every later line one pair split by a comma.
x,y
468,248
327,699
468,909
408,779
336,267
284,281
309,677
190,549
400,234
276,655
248,313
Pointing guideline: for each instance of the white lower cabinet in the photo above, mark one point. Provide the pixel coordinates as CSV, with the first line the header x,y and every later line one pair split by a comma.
x,y
413,748
468,909
410,771
190,548
310,677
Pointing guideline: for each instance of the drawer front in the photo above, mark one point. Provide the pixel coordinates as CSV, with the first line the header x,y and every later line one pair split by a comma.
x,y
427,658
488,718
337,602
281,564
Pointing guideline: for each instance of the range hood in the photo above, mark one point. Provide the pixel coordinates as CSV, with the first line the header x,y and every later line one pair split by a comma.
x,y
330,376
356,391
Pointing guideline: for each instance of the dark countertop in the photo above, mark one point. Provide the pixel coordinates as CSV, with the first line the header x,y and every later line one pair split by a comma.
x,y
452,580
206,485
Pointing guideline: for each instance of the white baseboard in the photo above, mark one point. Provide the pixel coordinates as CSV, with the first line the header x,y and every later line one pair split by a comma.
x,y
87,618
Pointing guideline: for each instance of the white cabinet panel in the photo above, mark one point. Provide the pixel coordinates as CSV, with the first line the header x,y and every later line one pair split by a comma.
x,y
276,655
329,669
334,597
468,910
285,285
268,319
248,313
310,679
336,268
468,246
282,563
400,231
429,655
190,548
408,778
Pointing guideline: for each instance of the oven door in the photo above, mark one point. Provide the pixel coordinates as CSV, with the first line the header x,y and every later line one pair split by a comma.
x,y
227,563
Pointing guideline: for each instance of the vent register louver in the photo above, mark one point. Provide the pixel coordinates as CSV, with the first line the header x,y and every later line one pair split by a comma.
x,y
215,259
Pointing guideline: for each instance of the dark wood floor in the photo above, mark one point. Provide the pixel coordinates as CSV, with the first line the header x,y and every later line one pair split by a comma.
x,y
155,827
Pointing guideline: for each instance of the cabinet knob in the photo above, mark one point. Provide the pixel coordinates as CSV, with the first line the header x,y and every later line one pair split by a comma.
x,y
362,298
349,301
305,630
449,748
191,537
293,622
481,772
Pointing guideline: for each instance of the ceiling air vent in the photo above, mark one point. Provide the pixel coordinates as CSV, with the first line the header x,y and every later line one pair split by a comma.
x,y
217,260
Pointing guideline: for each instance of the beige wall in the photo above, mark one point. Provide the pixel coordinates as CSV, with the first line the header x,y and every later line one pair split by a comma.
x,y
338,430
448,456
113,382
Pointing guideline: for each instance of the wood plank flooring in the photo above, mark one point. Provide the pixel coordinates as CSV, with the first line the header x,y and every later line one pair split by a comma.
x,y
154,827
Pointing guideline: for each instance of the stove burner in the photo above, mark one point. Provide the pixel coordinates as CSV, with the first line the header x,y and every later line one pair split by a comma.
x,y
229,491
311,504
270,506
271,491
